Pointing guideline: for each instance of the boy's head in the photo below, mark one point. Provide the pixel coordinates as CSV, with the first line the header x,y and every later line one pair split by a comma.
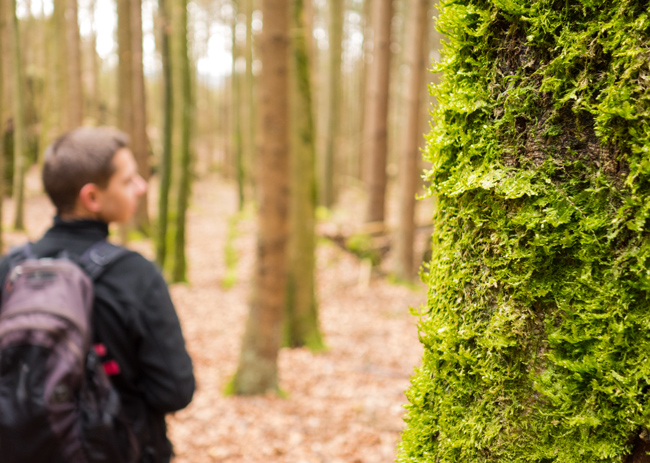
x,y
90,173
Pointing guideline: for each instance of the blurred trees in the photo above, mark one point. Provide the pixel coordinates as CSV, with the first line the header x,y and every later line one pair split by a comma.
x,y
186,81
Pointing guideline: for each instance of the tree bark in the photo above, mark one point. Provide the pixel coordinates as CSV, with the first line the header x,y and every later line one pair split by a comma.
x,y
413,137
237,114
333,102
74,103
301,325
167,130
19,127
183,62
376,130
125,67
249,98
257,370
61,91
139,139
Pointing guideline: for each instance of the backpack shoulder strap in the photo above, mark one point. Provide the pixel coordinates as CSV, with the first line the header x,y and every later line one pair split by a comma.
x,y
18,254
99,256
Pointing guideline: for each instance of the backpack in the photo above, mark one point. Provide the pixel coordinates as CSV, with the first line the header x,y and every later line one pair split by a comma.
x,y
56,402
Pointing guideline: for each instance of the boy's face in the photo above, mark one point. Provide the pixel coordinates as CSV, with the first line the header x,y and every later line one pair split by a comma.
x,y
118,201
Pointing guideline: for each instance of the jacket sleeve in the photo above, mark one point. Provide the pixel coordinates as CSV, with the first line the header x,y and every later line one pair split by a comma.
x,y
166,376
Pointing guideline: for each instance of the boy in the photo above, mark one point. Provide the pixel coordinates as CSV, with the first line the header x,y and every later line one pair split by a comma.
x,y
91,178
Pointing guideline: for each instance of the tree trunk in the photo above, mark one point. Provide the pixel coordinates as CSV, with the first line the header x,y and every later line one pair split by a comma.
x,y
236,105
139,139
125,67
409,180
167,130
19,127
183,61
249,98
61,90
74,103
534,333
376,130
257,370
301,324
333,102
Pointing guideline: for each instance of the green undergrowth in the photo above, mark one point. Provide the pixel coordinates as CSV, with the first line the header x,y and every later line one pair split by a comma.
x,y
536,333
231,257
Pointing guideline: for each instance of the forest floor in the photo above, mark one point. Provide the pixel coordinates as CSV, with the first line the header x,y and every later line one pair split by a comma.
x,y
344,405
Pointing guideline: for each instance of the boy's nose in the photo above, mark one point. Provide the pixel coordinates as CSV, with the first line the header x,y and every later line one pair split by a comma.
x,y
141,185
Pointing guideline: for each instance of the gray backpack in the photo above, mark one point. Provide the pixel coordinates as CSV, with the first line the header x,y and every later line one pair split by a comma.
x,y
56,402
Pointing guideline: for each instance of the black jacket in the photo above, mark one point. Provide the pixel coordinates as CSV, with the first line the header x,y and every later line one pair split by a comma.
x,y
135,319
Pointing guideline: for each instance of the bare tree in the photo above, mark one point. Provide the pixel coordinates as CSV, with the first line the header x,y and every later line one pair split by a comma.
x,y
413,136
257,371
139,139
376,130
19,126
74,103
167,129
301,326
333,101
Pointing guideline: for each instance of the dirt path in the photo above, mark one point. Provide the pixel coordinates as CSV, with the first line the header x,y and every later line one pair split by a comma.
x,y
343,406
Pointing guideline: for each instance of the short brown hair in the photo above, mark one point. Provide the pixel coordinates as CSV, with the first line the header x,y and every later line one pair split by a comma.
x,y
81,156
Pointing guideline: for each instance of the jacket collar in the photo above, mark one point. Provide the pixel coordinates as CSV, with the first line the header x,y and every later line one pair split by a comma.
x,y
86,228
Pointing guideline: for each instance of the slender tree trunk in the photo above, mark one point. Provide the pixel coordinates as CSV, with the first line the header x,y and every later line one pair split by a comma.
x,y
61,91
139,139
333,101
125,66
363,89
182,60
74,103
250,118
236,93
167,129
19,128
45,46
257,371
301,325
413,137
376,132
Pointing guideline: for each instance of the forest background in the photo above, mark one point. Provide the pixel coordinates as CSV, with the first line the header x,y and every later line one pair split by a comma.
x,y
303,119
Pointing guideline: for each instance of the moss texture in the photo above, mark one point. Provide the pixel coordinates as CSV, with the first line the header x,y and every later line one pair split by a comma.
x,y
536,332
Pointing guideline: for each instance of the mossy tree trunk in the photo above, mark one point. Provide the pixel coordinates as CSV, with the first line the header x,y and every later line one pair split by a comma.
x,y
301,324
536,333
182,60
20,147
335,51
257,371
417,32
167,130
376,130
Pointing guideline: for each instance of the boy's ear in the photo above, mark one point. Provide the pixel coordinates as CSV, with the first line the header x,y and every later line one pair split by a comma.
x,y
89,197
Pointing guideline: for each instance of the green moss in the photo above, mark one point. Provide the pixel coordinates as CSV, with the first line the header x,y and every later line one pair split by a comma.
x,y
360,244
536,332
231,257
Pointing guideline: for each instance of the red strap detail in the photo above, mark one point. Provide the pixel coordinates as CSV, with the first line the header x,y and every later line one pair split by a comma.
x,y
111,368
